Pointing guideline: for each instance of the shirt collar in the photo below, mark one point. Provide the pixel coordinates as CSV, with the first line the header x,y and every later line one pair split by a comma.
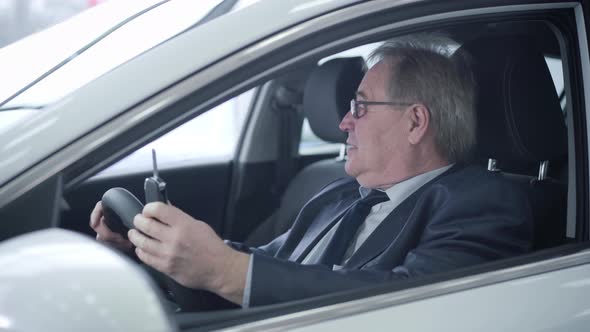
x,y
400,191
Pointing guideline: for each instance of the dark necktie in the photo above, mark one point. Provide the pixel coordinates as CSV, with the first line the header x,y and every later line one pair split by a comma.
x,y
348,227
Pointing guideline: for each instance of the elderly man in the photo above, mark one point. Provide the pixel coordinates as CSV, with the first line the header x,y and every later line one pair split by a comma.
x,y
418,208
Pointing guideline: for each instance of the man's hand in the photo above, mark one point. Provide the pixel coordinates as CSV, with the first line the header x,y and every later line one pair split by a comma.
x,y
104,234
189,251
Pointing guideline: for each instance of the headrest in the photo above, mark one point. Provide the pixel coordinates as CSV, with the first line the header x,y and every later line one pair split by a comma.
x,y
327,95
519,117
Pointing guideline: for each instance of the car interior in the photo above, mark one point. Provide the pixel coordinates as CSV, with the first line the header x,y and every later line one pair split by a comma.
x,y
528,129
508,141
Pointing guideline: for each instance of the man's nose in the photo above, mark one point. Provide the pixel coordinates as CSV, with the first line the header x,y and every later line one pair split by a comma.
x,y
347,123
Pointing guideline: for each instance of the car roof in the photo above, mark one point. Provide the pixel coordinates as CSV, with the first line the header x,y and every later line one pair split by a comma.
x,y
31,57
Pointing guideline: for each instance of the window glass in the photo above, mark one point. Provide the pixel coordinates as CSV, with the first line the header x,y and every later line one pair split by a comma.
x,y
212,136
556,68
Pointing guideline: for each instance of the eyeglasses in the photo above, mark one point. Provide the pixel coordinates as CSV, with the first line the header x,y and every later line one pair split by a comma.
x,y
358,108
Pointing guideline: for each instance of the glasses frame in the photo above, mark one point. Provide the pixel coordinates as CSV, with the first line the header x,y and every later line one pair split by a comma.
x,y
354,106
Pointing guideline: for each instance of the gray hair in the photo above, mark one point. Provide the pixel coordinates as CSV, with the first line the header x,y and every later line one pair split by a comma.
x,y
426,69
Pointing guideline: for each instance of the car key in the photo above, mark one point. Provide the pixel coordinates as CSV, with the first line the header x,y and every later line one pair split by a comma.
x,y
154,187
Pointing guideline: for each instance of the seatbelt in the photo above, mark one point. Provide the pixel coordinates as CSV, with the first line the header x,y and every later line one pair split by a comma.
x,y
287,104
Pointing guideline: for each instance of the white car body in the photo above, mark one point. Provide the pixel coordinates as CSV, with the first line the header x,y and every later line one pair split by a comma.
x,y
54,281
548,295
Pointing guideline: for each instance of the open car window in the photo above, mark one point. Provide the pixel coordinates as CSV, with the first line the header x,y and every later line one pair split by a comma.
x,y
211,137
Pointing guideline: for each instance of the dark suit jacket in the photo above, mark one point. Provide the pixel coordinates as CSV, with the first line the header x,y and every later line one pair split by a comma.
x,y
463,217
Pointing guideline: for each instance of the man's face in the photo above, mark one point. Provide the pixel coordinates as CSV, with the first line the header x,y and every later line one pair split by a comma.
x,y
378,141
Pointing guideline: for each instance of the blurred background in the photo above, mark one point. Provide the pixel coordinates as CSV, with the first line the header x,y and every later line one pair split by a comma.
x,y
20,18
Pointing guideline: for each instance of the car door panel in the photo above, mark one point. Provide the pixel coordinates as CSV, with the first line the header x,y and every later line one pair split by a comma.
x,y
510,305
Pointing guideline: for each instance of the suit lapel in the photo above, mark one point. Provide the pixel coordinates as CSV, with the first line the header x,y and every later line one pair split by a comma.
x,y
321,225
384,235
388,232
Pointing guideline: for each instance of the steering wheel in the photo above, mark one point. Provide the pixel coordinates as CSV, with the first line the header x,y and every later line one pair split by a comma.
x,y
119,208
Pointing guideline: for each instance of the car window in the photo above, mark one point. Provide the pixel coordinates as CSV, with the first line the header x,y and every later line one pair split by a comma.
x,y
210,137
556,68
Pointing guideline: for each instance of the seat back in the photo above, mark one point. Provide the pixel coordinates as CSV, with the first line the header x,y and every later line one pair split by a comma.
x,y
521,126
326,99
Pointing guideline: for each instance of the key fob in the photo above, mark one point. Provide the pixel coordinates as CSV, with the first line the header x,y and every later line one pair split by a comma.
x,y
154,187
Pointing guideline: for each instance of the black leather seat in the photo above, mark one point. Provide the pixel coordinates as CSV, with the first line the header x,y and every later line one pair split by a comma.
x,y
521,126
326,99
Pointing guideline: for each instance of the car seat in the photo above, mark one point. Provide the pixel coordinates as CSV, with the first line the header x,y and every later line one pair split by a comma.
x,y
521,126
326,99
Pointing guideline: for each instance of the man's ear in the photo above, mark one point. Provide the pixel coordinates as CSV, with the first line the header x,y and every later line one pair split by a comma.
x,y
419,119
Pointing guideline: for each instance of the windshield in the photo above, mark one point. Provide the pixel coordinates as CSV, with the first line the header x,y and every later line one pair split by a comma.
x,y
45,67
